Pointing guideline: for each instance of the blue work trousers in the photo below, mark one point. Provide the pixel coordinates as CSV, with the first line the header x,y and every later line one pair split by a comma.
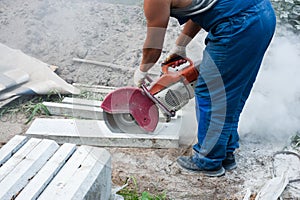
x,y
235,48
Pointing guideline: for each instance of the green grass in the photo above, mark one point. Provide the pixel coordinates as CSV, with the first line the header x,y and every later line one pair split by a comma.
x,y
37,109
296,140
90,95
29,106
131,192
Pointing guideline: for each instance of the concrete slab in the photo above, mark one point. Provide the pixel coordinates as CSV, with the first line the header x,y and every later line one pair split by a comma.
x,y
96,133
76,111
90,165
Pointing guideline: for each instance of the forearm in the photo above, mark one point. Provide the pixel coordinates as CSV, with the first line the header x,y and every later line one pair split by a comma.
x,y
189,31
157,13
150,57
152,47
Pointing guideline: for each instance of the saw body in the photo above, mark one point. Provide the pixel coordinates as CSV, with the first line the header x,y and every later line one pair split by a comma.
x,y
136,110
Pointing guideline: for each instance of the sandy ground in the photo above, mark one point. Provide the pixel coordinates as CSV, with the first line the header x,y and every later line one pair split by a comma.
x,y
57,31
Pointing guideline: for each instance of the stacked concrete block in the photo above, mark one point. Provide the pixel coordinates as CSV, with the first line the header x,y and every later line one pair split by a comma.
x,y
41,169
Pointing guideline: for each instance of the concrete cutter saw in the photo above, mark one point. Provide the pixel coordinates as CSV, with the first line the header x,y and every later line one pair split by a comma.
x,y
136,110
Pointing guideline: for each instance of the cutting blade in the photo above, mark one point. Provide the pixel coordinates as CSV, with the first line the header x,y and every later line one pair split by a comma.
x,y
128,110
122,123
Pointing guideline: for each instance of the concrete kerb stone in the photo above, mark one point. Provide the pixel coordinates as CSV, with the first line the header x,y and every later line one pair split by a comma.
x,y
96,133
29,164
90,165
73,110
44,176
12,146
82,102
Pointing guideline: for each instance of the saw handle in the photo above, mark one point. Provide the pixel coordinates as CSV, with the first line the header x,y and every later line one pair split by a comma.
x,y
149,79
174,62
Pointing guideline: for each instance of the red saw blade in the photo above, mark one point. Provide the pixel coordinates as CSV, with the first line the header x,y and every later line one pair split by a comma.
x,y
133,100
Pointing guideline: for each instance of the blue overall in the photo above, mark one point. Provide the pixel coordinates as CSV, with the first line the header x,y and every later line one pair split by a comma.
x,y
239,32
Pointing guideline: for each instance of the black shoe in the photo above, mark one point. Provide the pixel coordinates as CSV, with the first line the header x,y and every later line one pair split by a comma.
x,y
229,162
187,163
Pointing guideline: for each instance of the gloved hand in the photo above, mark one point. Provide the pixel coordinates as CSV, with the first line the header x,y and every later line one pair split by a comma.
x,y
176,53
139,77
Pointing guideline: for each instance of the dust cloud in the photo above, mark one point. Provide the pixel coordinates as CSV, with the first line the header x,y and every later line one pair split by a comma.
x,y
272,111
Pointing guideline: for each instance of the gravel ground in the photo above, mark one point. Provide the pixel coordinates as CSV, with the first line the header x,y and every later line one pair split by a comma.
x,y
109,31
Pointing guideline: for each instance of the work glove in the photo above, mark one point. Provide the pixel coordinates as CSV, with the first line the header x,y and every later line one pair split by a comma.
x,y
139,77
176,53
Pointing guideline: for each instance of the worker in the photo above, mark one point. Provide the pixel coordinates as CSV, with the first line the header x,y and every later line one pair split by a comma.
x,y
238,35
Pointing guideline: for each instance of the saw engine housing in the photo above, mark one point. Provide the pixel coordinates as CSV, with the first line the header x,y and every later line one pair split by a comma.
x,y
176,96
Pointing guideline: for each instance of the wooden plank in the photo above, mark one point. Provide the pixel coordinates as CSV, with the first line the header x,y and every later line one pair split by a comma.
x,y
90,165
11,147
101,64
36,186
21,154
26,169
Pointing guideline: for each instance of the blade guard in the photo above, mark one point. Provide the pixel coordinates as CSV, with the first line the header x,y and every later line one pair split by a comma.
x,y
132,100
